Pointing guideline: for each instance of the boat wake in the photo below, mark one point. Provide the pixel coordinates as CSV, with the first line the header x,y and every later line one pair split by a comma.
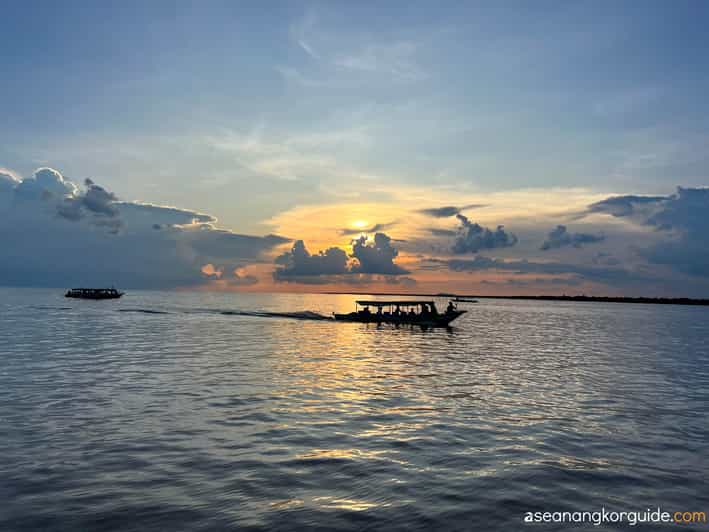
x,y
142,310
301,315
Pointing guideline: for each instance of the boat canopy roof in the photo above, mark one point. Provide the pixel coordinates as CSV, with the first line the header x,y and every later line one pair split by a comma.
x,y
93,290
409,303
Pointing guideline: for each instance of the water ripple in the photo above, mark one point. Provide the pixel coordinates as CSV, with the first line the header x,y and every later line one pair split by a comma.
x,y
178,411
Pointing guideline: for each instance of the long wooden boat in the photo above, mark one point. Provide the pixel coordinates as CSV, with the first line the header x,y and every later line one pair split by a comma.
x,y
93,293
413,312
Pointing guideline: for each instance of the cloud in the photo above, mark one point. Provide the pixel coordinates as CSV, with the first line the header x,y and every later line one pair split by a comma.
x,y
605,259
682,219
374,229
298,262
235,276
376,256
441,232
560,237
46,183
301,31
685,217
472,237
7,179
372,257
611,276
161,215
620,206
56,234
351,279
396,60
536,281
448,211
96,201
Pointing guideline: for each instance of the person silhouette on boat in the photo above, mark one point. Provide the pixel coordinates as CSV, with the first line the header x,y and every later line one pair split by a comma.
x,y
366,311
397,311
451,308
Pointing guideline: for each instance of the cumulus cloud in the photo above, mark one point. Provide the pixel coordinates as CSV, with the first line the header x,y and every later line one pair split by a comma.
x,y
448,211
298,262
56,234
559,237
45,183
472,237
7,179
95,201
331,265
376,256
234,276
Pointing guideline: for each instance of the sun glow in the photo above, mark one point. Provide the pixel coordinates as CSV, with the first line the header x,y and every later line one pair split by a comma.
x,y
359,224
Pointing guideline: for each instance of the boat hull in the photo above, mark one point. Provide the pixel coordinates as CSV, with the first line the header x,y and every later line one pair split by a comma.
x,y
93,295
440,320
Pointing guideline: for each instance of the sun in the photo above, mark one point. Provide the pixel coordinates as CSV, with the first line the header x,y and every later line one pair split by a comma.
x,y
359,224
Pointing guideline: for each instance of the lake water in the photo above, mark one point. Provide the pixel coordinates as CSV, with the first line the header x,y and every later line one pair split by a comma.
x,y
196,417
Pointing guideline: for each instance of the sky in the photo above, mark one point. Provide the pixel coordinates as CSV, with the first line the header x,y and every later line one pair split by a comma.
x,y
468,147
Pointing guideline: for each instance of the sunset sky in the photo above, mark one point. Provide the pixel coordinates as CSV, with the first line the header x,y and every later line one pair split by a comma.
x,y
469,147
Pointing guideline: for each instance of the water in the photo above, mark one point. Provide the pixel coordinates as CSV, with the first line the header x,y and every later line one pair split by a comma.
x,y
198,416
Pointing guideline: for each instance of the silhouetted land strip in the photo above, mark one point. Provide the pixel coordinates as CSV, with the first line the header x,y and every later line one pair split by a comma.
x,y
582,298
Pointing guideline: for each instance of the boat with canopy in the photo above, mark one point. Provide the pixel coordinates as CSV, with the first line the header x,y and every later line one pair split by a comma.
x,y
414,312
93,293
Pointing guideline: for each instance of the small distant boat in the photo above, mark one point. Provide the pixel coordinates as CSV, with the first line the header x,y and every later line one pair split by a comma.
x,y
93,293
412,312
464,300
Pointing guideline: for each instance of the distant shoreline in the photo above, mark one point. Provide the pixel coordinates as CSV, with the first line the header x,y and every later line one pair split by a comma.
x,y
592,299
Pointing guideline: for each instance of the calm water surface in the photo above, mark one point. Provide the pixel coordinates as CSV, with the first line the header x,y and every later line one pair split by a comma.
x,y
194,416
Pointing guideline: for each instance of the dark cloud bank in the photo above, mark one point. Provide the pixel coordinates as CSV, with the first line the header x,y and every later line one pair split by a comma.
x,y
682,219
55,233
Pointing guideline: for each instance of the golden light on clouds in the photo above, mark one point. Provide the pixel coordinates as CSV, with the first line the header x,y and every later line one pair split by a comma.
x,y
210,270
400,212
321,225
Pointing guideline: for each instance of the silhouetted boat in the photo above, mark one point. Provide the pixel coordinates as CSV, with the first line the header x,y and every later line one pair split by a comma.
x,y
463,300
402,312
94,293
